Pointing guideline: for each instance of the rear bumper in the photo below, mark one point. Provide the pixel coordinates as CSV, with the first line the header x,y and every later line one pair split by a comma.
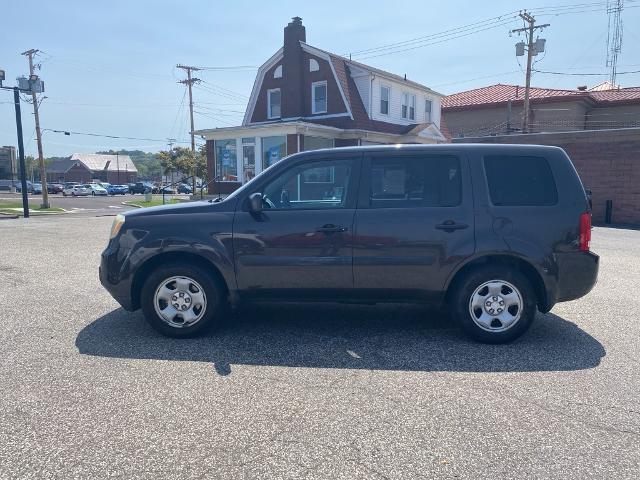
x,y
577,274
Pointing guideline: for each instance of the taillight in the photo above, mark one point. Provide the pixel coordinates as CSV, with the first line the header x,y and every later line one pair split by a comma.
x,y
585,231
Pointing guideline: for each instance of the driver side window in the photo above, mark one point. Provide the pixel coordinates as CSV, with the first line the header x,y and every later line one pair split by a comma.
x,y
312,185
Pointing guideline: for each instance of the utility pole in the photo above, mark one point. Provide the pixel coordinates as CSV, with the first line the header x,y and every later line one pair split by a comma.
x,y
43,173
189,82
531,51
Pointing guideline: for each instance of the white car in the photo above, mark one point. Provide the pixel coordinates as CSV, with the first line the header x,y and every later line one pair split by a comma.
x,y
96,189
75,191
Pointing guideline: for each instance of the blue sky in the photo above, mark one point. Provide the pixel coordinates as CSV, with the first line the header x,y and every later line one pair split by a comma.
x,y
109,67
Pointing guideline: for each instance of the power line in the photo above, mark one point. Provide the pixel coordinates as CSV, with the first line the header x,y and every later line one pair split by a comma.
x,y
70,132
227,68
473,32
584,74
430,36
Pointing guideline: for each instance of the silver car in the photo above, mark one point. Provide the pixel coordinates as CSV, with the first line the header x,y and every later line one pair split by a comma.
x,y
75,191
96,189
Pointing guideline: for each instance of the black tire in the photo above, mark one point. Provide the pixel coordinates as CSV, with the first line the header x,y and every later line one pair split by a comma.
x,y
465,288
215,299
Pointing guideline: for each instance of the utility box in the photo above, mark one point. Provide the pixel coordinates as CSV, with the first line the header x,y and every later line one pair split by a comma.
x,y
538,47
31,86
519,49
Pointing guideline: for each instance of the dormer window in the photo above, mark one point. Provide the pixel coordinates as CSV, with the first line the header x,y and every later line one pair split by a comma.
x,y
385,95
313,65
319,97
277,73
408,106
273,103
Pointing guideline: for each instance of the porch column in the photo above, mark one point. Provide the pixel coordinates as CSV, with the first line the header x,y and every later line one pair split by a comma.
x,y
239,160
258,151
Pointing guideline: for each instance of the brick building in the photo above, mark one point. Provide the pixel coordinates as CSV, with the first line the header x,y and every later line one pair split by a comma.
x,y
85,167
305,98
599,128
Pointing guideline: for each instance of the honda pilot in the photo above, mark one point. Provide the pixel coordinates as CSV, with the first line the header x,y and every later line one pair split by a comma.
x,y
490,233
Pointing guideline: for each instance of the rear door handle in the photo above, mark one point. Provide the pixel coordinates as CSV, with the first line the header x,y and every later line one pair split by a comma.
x,y
331,228
450,226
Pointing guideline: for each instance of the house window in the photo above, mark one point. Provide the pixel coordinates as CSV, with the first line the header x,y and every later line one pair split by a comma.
x,y
427,110
273,103
277,73
408,106
385,94
319,97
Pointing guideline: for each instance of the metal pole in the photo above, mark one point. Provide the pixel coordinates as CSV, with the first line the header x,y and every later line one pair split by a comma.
x,y
43,174
23,168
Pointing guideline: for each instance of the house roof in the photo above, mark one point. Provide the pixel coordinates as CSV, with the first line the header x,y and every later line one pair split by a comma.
x,y
398,78
501,93
98,161
60,165
620,95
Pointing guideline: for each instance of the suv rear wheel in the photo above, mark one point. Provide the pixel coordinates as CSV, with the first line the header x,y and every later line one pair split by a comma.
x,y
494,304
181,300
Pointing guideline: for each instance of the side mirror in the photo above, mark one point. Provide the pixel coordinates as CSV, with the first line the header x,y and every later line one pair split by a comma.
x,y
255,202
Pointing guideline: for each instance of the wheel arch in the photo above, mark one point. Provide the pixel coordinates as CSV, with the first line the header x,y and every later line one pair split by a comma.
x,y
523,266
143,271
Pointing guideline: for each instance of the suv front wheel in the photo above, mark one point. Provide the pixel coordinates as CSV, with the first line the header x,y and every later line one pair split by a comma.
x,y
181,300
494,304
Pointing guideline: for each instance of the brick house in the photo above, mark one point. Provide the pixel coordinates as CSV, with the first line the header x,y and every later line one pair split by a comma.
x,y
85,167
305,98
598,127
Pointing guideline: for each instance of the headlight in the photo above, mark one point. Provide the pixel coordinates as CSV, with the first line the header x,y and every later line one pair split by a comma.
x,y
118,222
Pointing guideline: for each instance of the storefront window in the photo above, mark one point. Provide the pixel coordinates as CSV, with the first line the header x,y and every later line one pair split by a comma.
x,y
248,158
274,149
316,143
226,160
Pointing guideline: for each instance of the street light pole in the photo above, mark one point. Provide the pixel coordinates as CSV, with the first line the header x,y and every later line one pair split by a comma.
x,y
23,168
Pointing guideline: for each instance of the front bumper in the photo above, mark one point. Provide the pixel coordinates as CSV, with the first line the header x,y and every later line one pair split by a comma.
x,y
577,274
109,273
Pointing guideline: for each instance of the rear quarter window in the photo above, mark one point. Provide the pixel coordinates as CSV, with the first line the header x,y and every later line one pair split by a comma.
x,y
518,180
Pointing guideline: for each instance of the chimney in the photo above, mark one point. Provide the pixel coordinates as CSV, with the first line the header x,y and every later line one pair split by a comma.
x,y
292,69
582,88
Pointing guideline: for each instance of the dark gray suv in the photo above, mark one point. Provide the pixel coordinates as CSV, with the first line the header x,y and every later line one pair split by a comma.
x,y
492,232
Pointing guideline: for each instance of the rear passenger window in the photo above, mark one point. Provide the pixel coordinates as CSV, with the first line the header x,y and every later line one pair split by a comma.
x,y
520,180
426,181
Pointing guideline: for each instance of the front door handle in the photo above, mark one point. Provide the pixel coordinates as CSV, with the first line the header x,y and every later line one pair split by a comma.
x,y
450,226
331,228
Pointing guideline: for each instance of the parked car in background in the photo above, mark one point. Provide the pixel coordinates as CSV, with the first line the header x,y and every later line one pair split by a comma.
x,y
491,233
75,191
55,188
167,190
96,189
37,188
118,189
29,187
184,188
141,187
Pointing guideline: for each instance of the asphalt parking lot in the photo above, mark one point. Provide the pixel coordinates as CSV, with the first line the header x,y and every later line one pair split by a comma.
x,y
88,206
321,391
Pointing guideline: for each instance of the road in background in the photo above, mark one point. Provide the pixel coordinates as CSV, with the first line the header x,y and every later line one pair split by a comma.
x,y
86,206
306,391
